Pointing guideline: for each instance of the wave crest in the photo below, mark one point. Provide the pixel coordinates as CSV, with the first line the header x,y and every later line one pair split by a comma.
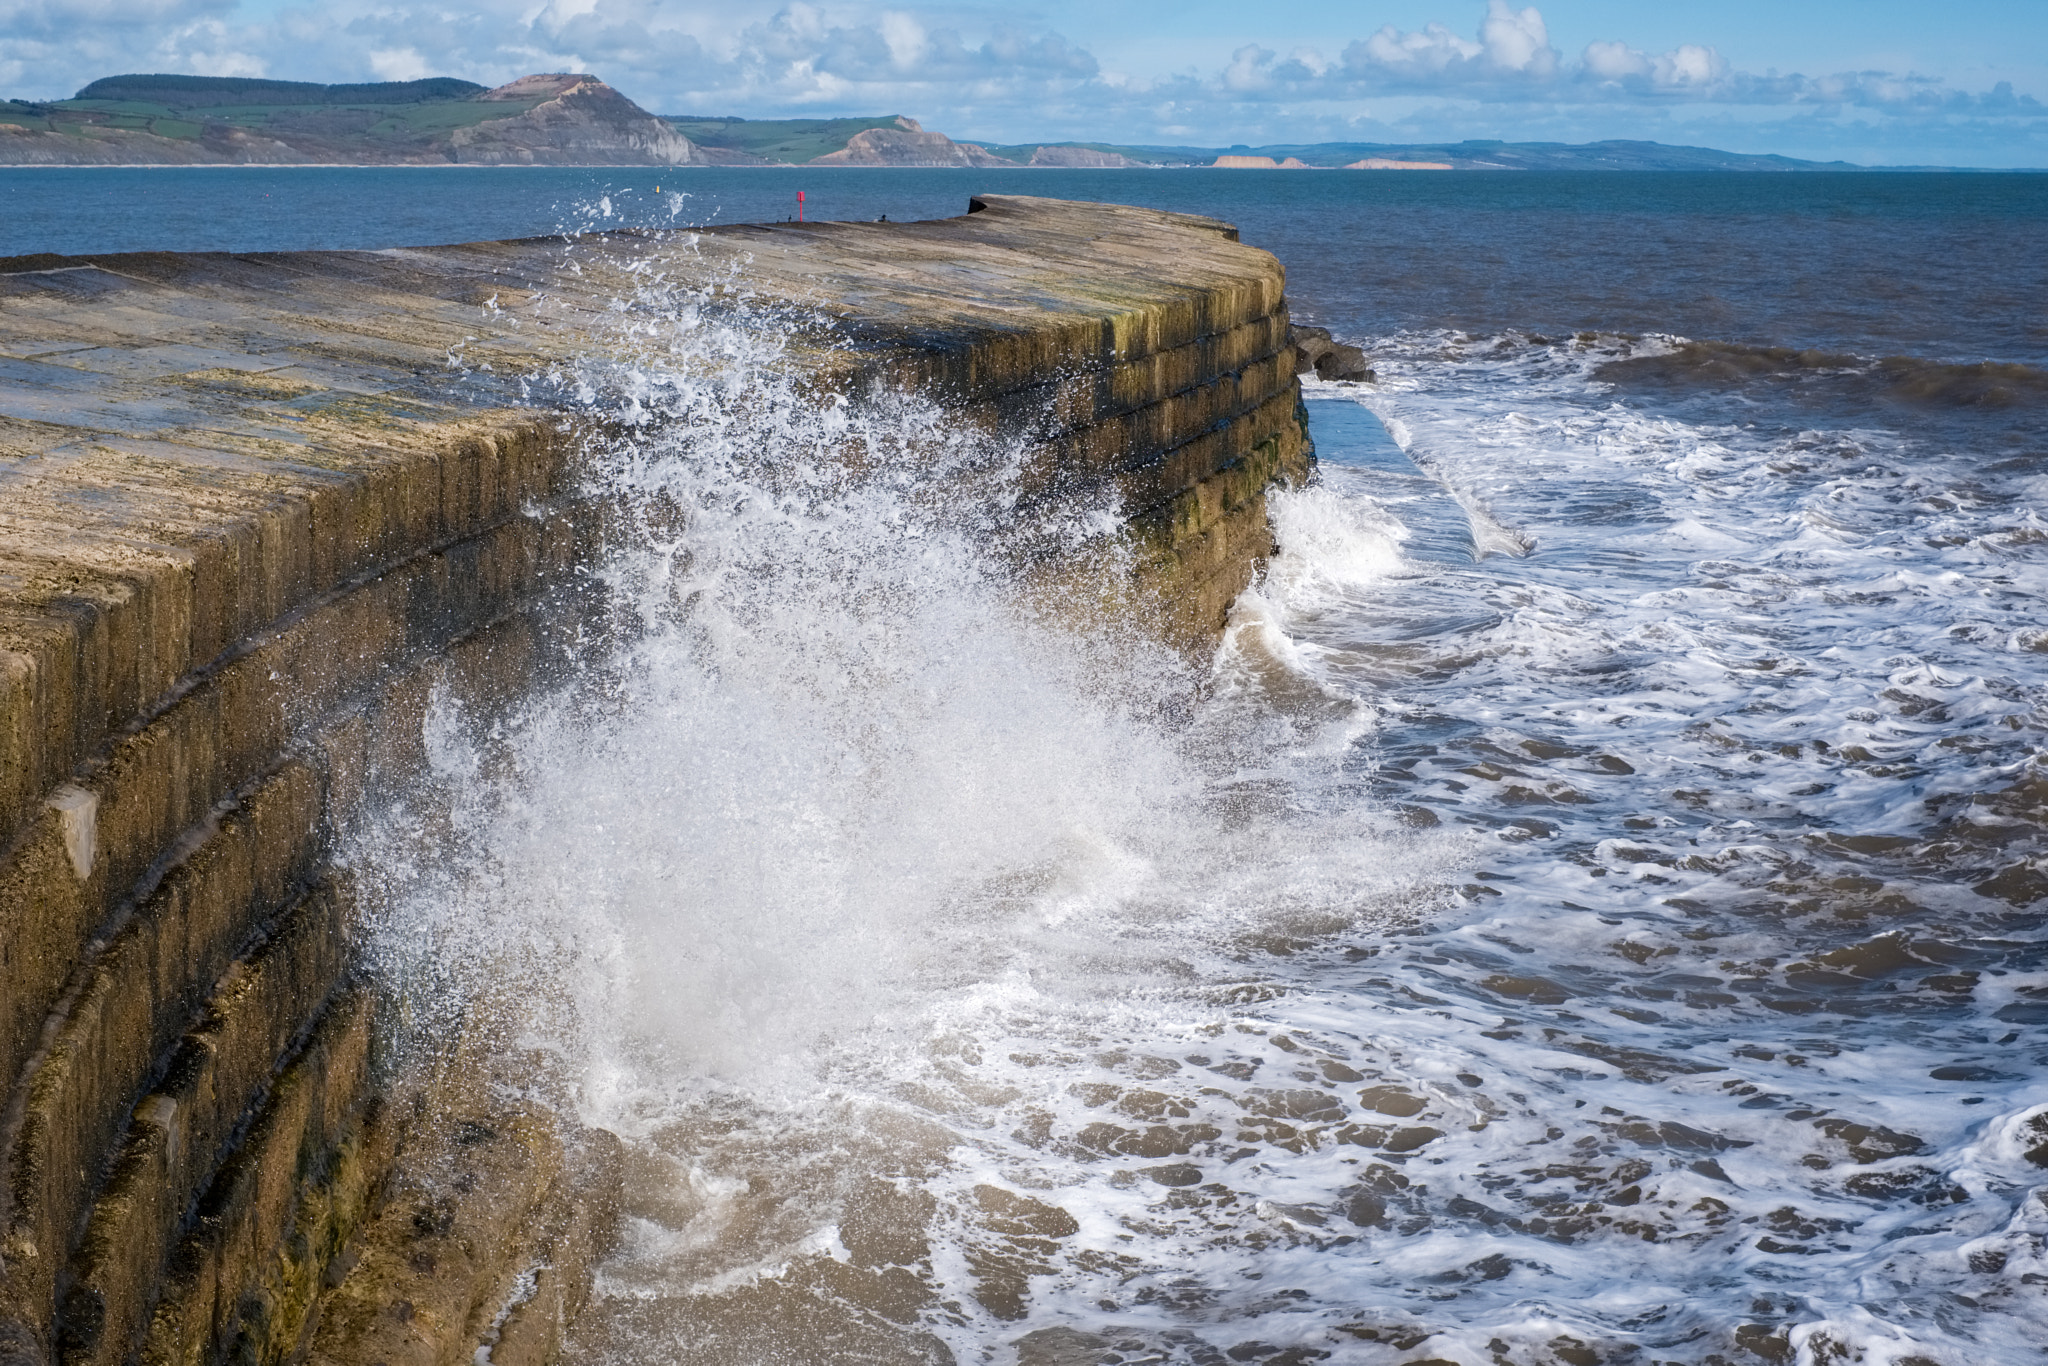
x,y
1912,379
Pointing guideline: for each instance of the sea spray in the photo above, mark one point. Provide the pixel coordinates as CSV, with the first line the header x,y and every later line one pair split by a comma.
x,y
1561,921
846,851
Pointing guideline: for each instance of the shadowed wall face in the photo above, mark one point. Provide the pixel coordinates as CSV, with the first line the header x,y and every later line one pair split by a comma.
x,y
259,513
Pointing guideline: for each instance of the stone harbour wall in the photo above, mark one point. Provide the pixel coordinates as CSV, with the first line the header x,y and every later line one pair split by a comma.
x,y
256,512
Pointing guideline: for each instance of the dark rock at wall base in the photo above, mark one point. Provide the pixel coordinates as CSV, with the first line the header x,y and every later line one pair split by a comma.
x,y
1317,352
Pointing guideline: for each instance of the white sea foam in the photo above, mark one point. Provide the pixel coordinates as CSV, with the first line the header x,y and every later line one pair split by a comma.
x,y
1512,955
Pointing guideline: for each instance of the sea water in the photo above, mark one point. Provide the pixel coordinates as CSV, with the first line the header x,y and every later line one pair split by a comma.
x,y
1589,908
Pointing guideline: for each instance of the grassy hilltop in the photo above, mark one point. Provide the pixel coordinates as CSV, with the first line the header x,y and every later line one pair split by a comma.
x,y
561,119
389,120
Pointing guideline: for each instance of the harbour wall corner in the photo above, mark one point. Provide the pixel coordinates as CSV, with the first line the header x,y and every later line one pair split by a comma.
x,y
257,513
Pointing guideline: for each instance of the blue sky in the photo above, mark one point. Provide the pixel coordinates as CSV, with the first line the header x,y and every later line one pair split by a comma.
x,y
1872,81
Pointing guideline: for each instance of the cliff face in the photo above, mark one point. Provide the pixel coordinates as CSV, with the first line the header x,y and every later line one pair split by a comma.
x,y
1081,158
1391,164
582,122
20,146
908,145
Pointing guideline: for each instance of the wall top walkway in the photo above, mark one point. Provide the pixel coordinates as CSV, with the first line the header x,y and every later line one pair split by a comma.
x,y
166,419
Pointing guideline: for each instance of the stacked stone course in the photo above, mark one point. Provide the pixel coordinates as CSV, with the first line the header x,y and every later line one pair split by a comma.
x,y
255,513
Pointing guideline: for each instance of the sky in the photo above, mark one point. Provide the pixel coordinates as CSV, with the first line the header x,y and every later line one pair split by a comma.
x,y
1879,82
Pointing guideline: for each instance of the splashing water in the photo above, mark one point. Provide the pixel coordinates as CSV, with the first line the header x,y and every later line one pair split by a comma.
x,y
1547,936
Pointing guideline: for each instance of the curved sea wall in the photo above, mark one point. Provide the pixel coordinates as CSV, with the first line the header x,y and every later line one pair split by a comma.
x,y
256,512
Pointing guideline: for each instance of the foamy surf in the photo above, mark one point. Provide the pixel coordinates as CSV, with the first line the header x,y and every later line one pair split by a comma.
x,y
1587,917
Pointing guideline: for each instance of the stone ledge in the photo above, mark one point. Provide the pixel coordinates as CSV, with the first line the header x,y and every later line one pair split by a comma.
x,y
242,864
108,612
243,1282
231,721
182,1128
141,990
246,498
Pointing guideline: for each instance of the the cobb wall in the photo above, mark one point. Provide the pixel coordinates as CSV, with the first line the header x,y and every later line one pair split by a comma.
x,y
255,513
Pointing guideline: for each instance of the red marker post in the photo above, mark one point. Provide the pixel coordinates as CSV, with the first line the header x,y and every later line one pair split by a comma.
x,y
799,206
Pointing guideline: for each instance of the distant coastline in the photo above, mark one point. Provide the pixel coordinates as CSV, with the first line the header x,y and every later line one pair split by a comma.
x,y
575,119
1007,166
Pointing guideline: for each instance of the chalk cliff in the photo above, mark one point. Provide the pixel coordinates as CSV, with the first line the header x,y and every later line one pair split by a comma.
x,y
1394,164
1257,163
1084,158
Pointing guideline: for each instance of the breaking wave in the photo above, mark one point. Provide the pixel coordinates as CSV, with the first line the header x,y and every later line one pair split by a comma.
x,y
1681,364
1587,910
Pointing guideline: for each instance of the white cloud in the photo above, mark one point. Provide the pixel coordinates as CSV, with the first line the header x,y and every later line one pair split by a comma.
x,y
556,13
1689,68
1250,69
1513,45
905,38
399,64
1517,40
73,18
1432,50
209,49
1311,61
1614,62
